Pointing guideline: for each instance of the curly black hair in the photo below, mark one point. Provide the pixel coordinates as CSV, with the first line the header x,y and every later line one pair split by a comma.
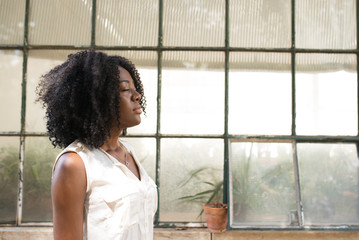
x,y
82,97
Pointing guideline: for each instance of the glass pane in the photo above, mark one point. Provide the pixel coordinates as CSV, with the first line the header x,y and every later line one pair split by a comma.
x,y
10,85
146,64
326,92
51,23
145,149
262,184
12,15
265,23
260,93
39,158
192,93
193,23
9,178
189,167
329,183
39,63
325,24
132,23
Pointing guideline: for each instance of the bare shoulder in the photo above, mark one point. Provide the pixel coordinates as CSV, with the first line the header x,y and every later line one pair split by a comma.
x,y
69,162
70,170
68,190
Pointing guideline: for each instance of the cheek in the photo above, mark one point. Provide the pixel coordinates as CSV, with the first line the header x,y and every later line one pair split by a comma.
x,y
124,103
125,108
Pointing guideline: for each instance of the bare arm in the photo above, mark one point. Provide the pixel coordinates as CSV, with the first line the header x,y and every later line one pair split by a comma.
x,y
68,192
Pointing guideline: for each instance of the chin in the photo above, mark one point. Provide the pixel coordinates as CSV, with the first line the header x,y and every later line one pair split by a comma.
x,y
131,122
136,123
139,120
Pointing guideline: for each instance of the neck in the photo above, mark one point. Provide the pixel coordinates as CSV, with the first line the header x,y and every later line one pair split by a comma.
x,y
111,143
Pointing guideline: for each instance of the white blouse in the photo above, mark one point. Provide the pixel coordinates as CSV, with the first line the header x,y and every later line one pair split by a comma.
x,y
117,204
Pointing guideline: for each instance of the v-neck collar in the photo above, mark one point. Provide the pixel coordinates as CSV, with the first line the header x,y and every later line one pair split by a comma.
x,y
123,166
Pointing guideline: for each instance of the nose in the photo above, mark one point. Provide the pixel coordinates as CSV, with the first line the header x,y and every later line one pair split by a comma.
x,y
136,97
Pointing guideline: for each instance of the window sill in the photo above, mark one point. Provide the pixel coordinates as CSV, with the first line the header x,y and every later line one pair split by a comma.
x,y
45,233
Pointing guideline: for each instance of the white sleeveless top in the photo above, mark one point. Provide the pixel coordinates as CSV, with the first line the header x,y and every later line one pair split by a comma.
x,y
117,204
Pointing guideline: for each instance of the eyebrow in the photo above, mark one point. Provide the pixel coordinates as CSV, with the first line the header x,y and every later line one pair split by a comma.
x,y
124,80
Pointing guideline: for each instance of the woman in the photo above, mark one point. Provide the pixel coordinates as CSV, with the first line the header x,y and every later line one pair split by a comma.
x,y
99,188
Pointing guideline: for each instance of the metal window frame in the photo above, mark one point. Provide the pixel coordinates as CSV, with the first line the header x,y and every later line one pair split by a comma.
x,y
226,49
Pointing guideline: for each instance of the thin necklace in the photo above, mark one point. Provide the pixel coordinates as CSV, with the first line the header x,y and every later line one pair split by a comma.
x,y
119,158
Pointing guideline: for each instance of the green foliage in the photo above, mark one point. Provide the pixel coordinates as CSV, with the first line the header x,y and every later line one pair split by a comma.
x,y
37,172
257,188
243,189
39,158
263,185
180,158
9,167
211,187
329,182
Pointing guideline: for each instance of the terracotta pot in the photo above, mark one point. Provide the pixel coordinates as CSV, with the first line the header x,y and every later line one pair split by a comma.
x,y
216,216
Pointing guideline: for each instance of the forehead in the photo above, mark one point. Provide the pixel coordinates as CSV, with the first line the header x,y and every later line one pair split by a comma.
x,y
125,76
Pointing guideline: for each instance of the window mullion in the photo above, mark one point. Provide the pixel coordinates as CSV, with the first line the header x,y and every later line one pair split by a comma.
x,y
159,89
357,53
23,115
294,144
297,184
226,167
93,24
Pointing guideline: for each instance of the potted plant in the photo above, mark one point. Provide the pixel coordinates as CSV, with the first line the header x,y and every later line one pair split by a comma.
x,y
215,211
216,216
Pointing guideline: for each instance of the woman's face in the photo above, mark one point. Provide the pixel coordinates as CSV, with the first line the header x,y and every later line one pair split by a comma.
x,y
130,108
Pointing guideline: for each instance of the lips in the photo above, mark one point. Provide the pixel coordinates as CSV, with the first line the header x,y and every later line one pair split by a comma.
x,y
138,110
